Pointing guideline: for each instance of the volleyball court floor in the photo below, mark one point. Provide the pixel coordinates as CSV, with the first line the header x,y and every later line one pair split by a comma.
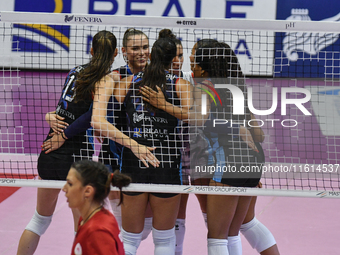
x,y
301,226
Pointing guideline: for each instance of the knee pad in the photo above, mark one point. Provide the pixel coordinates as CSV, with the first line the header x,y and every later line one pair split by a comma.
x,y
39,223
165,241
147,228
235,245
131,242
217,246
258,235
179,232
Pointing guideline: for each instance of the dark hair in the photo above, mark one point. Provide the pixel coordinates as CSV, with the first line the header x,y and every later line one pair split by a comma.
x,y
203,42
162,53
98,176
104,44
218,59
167,33
131,32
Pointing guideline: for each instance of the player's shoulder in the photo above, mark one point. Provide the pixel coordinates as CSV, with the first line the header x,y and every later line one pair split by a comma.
x,y
104,216
108,78
77,69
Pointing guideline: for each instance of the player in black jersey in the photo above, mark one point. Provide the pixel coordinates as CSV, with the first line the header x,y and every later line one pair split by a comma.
x,y
258,235
76,99
153,127
136,54
217,64
135,50
176,68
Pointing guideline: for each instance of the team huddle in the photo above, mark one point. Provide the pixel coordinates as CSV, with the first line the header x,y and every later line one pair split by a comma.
x,y
148,117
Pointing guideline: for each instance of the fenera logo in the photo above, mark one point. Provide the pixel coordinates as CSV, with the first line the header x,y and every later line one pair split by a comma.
x,y
82,19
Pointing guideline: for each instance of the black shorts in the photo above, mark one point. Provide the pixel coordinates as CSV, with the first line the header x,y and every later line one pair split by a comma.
x,y
53,166
159,194
244,166
133,167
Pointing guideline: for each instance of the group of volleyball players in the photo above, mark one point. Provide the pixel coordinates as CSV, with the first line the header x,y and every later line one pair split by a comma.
x,y
137,109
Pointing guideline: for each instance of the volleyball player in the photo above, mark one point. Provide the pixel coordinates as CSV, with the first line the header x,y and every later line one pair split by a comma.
x,y
176,68
136,54
259,238
217,63
255,232
88,184
154,127
56,164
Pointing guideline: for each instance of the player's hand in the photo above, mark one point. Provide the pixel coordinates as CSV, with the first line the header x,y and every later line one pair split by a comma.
x,y
53,144
56,122
155,98
145,155
247,138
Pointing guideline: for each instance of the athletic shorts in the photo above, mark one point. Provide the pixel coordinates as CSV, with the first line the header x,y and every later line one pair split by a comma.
x,y
240,167
139,173
53,166
160,195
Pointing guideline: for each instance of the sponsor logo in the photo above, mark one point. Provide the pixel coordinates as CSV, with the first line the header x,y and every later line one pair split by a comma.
x,y
330,193
68,18
3,181
187,22
150,133
310,43
322,194
189,189
137,132
65,113
141,117
78,250
82,19
221,189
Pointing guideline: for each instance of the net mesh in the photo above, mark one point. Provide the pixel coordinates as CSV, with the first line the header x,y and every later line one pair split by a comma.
x,y
281,63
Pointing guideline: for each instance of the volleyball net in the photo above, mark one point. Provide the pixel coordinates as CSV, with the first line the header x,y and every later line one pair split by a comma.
x,y
291,71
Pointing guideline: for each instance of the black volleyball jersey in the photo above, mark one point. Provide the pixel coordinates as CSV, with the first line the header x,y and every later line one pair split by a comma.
x,y
154,128
71,110
123,71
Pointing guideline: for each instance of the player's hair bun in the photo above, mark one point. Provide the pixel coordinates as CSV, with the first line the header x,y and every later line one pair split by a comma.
x,y
166,33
